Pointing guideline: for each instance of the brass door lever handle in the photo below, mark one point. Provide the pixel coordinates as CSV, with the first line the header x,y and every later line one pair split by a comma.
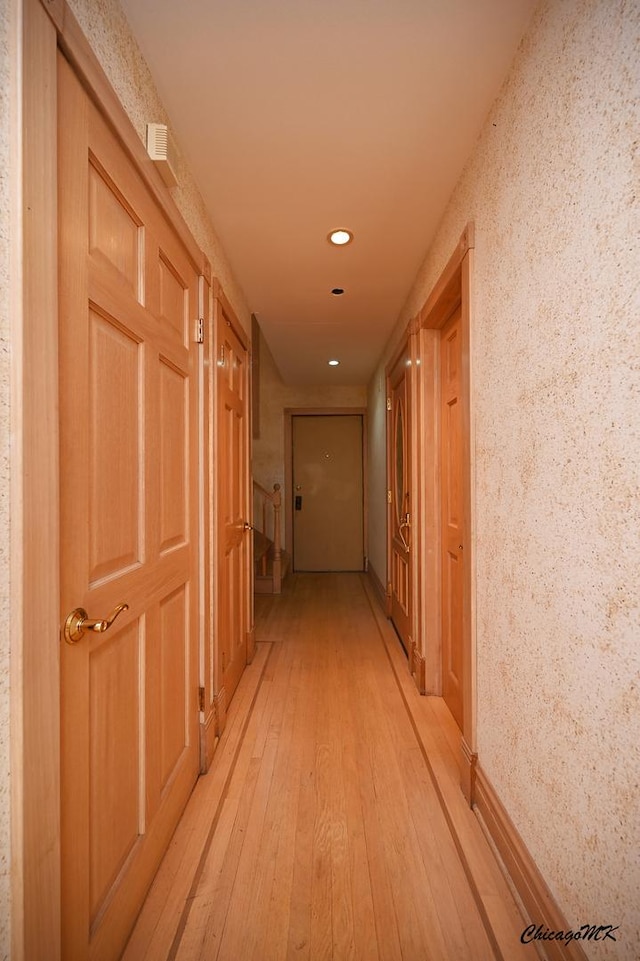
x,y
78,622
404,524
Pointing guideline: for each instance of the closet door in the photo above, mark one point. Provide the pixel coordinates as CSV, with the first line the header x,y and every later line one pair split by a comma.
x,y
129,522
400,555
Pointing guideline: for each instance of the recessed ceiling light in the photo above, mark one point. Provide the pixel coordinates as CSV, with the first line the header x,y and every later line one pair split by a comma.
x,y
333,363
337,291
340,237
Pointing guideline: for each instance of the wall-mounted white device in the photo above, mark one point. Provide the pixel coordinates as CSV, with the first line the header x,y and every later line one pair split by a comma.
x,y
162,150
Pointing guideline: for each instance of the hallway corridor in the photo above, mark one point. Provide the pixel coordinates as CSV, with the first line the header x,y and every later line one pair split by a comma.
x,y
331,824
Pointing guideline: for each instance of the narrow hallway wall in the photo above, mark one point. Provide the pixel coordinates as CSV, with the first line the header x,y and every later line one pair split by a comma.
x,y
555,352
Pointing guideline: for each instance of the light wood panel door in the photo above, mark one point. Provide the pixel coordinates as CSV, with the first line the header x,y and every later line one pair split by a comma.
x,y
399,496
328,514
233,512
452,501
128,496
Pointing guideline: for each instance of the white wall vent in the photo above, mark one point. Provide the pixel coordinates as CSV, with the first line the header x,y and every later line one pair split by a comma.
x,y
162,150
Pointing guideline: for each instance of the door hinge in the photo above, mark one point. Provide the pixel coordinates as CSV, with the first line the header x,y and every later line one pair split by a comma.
x,y
388,403
201,699
389,497
200,330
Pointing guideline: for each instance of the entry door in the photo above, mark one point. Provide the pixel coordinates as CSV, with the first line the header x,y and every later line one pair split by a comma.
x,y
328,508
233,507
399,498
452,501
128,504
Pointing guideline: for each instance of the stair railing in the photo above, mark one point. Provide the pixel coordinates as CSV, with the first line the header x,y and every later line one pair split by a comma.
x,y
266,521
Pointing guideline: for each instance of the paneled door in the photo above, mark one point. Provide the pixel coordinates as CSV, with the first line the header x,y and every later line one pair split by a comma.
x,y
233,508
399,497
328,492
452,503
129,512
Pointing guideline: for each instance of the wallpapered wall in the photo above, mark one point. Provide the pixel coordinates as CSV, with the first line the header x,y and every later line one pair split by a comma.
x,y
555,357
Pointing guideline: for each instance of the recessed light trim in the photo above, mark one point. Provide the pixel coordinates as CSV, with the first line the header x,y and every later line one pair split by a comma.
x,y
333,363
338,291
340,237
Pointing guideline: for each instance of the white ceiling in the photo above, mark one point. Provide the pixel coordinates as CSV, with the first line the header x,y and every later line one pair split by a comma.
x,y
298,116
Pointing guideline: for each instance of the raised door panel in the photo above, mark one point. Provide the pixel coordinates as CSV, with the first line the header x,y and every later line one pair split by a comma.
x,y
173,297
115,464
173,728
174,447
116,238
115,763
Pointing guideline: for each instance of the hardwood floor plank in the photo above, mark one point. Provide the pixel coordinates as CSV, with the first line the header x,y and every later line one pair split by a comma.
x,y
439,739
329,837
162,912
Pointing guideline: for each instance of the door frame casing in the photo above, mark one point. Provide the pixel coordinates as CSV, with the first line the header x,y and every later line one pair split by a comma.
x,y
453,289
421,341
35,667
216,697
35,544
291,412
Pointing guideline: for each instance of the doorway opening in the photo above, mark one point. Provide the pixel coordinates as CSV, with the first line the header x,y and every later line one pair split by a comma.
x,y
325,489
430,546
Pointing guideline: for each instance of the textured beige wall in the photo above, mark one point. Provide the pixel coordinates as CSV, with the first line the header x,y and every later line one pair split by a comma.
x,y
268,449
553,189
105,26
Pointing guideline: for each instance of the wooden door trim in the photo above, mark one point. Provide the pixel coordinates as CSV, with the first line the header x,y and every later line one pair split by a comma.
x,y
35,667
447,291
289,414
453,289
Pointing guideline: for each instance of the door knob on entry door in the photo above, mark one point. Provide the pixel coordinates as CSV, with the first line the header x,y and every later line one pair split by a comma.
x,y
78,622
247,526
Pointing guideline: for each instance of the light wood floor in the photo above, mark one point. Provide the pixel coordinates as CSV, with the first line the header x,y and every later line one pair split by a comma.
x,y
331,825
